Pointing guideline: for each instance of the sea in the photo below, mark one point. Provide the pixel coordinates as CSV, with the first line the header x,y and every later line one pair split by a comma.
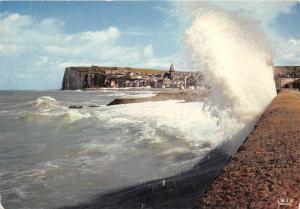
x,y
53,156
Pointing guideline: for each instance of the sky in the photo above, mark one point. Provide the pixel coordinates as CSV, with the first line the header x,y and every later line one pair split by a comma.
x,y
39,39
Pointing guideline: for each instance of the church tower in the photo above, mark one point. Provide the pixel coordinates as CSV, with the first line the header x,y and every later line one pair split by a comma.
x,y
171,71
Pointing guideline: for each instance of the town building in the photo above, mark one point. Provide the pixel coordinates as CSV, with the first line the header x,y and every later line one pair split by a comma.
x,y
287,77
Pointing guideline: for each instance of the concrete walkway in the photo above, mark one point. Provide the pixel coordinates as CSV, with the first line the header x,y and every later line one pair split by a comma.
x,y
265,172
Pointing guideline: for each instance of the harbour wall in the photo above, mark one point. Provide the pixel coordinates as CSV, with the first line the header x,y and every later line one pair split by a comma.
x,y
264,173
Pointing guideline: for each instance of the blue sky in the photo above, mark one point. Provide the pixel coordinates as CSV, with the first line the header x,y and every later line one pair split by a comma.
x,y
39,39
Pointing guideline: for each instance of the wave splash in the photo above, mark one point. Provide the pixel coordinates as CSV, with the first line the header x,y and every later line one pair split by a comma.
x,y
235,59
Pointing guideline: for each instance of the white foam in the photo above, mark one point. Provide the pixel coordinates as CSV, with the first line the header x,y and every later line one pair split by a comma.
x,y
195,125
1,207
233,55
43,101
138,96
47,109
73,116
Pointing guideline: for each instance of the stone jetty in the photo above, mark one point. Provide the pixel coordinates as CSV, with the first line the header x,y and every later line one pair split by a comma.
x,y
186,95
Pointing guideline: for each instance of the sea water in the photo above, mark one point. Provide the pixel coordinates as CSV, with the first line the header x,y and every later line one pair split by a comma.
x,y
54,156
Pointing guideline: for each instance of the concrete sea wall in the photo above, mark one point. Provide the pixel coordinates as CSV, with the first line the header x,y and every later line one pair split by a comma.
x,y
265,172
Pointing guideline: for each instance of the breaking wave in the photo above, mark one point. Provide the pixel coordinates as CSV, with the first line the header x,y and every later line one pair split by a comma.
x,y
47,109
235,58
43,101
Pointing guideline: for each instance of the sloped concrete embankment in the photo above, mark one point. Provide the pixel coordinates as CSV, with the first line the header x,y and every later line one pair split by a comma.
x,y
265,172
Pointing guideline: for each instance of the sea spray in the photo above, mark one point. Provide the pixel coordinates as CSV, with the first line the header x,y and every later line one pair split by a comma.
x,y
235,58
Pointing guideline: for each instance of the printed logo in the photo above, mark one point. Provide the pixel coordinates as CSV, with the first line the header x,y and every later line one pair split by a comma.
x,y
286,202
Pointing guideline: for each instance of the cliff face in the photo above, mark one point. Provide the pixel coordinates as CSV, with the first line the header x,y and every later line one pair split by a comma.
x,y
95,77
89,77
73,79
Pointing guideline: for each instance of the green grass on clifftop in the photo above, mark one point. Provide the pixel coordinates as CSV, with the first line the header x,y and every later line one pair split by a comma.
x,y
143,70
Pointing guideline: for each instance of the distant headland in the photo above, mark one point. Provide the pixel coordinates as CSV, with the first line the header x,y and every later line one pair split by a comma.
x,y
95,77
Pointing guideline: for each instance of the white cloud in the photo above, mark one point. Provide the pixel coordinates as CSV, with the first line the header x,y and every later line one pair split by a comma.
x,y
9,48
111,33
289,52
42,60
135,32
50,23
265,11
33,54
148,51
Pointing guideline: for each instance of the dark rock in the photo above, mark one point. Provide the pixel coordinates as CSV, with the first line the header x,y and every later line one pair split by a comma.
x,y
129,100
93,106
76,107
81,106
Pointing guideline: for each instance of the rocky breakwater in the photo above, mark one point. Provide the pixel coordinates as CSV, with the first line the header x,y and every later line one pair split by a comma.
x,y
186,95
265,172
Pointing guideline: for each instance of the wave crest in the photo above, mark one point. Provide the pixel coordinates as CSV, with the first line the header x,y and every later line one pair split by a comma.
x,y
43,101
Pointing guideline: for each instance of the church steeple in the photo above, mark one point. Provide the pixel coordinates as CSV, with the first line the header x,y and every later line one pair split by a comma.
x,y
171,71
